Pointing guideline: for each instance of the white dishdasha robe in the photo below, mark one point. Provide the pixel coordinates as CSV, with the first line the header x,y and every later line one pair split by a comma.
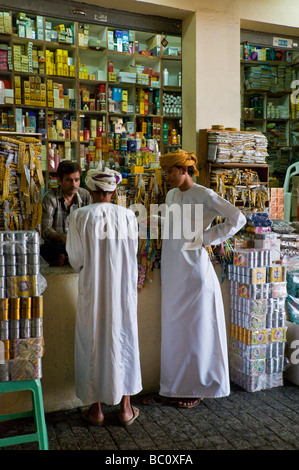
x,y
194,359
102,244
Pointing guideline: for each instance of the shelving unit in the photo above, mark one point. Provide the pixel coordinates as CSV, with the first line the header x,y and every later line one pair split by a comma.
x,y
243,177
82,96
266,106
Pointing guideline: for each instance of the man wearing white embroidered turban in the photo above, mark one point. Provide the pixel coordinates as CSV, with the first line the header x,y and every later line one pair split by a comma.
x,y
102,247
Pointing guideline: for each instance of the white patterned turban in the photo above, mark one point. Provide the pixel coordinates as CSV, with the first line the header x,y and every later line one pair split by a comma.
x,y
105,180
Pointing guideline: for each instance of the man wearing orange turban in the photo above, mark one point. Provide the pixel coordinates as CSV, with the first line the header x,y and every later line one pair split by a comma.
x,y
194,361
179,158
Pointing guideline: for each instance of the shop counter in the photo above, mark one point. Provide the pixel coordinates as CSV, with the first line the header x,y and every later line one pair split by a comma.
x,y
60,300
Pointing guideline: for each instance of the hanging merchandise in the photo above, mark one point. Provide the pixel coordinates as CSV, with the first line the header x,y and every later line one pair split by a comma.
x,y
240,186
145,189
21,181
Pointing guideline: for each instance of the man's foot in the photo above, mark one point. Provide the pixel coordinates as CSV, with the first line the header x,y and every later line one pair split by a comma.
x,y
127,419
95,420
188,402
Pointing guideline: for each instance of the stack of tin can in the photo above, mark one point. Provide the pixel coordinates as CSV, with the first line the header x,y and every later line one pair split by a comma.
x,y
258,320
21,306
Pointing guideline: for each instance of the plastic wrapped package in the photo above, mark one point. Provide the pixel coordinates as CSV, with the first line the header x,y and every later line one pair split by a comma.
x,y
249,383
25,369
20,265
258,291
292,308
293,283
25,362
258,321
21,306
256,382
250,367
248,352
282,226
21,359
27,349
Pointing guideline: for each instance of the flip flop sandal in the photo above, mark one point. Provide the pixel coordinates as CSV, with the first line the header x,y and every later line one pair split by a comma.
x,y
90,420
131,421
194,403
157,400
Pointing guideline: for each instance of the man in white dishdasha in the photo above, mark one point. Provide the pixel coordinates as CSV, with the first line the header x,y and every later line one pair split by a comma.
x,y
107,363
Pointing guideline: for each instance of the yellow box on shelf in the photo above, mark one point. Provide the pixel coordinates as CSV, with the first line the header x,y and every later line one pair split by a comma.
x,y
111,76
137,169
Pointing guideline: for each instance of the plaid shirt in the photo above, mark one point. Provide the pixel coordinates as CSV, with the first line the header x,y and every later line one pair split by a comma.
x,y
55,216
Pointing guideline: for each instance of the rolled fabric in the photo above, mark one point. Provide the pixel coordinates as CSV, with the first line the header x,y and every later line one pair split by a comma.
x,y
179,158
105,180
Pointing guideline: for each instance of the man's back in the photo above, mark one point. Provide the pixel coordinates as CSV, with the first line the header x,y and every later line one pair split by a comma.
x,y
102,247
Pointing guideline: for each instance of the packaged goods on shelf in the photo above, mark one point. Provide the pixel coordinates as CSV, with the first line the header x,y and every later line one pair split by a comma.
x,y
228,147
120,41
28,27
5,22
253,52
171,51
268,78
258,320
7,122
277,134
5,57
59,33
172,104
21,306
59,63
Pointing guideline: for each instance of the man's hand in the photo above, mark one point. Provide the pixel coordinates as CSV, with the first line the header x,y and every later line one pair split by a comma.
x,y
57,237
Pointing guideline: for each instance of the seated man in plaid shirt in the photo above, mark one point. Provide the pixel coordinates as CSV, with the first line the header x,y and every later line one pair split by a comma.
x,y
58,204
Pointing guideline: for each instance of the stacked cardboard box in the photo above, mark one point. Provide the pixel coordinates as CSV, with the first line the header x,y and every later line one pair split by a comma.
x,y
258,320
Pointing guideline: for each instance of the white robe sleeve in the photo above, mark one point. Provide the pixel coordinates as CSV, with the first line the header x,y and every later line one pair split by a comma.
x,y
234,220
74,246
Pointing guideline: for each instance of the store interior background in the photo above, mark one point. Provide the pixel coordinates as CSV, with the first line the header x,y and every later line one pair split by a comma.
x,y
211,95
211,52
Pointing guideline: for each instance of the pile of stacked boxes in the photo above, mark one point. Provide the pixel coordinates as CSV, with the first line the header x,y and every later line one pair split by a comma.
x,y
21,306
258,320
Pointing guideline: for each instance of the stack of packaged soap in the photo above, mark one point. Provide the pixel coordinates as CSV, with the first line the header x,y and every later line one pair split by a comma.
x,y
258,320
21,306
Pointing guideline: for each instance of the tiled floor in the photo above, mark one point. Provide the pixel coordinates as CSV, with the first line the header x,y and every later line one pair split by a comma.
x,y
264,420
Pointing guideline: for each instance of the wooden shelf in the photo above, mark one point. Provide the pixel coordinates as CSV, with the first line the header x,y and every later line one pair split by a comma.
x,y
265,62
205,167
238,165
